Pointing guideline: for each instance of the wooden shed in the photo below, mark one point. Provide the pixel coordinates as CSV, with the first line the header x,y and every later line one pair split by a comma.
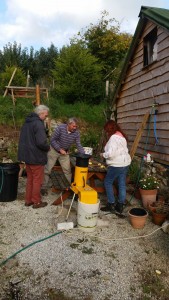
x,y
143,85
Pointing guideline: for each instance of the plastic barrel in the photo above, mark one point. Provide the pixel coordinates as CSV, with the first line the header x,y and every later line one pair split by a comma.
x,y
8,181
87,215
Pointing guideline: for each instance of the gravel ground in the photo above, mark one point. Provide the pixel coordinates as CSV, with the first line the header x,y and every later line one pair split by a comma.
x,y
114,262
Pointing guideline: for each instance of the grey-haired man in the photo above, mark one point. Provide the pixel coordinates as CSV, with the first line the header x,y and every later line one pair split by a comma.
x,y
32,150
64,136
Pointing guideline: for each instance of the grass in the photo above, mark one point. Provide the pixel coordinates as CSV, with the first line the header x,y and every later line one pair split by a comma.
x,y
91,117
93,114
87,250
56,295
152,286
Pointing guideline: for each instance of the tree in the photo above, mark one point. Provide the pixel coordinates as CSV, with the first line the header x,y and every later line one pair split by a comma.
x,y
44,60
38,63
18,80
106,42
10,56
77,75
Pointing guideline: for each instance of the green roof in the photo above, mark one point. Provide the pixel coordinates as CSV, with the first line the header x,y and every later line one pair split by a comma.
x,y
160,16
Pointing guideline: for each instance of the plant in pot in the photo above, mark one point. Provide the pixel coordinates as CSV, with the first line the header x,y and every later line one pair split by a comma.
x,y
160,211
133,176
148,187
163,194
133,172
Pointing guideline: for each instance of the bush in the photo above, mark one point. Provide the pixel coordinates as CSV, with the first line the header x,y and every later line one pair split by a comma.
x,y
134,172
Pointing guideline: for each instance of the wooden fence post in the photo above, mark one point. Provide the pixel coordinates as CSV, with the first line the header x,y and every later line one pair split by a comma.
x,y
37,95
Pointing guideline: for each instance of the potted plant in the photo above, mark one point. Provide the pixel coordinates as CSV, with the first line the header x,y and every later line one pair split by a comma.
x,y
133,176
134,172
148,187
159,211
163,194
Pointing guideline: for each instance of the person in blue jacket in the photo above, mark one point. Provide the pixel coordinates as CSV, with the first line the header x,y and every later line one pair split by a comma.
x,y
32,149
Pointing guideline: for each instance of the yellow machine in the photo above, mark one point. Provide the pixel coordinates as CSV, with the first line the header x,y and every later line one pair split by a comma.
x,y
85,193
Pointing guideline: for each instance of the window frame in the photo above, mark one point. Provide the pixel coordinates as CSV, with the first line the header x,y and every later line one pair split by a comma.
x,y
150,48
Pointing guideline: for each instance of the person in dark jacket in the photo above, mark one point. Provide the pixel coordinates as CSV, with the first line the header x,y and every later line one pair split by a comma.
x,y
32,150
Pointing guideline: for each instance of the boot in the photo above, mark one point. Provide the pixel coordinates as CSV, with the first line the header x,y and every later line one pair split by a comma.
x,y
119,207
39,205
108,207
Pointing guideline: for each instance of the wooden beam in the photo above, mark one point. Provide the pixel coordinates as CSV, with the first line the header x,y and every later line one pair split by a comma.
x,y
138,135
13,74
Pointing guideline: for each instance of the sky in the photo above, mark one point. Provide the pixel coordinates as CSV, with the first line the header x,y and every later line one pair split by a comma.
x,y
39,23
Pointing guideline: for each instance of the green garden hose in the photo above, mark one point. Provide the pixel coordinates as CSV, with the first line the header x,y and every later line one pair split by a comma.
x,y
28,246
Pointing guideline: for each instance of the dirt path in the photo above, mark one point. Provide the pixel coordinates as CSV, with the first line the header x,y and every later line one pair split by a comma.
x,y
114,262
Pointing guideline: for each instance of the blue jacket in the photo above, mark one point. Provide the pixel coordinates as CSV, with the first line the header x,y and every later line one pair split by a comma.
x,y
33,146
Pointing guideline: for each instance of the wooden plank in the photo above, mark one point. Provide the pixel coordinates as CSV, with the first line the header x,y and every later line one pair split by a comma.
x,y
138,135
27,92
13,74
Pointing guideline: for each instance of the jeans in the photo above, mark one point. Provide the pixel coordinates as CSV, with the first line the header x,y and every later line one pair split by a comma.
x,y
118,173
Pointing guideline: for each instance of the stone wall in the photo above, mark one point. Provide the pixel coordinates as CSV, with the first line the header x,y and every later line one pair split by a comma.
x,y
159,170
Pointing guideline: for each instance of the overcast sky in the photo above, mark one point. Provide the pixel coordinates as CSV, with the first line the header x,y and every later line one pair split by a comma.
x,y
39,23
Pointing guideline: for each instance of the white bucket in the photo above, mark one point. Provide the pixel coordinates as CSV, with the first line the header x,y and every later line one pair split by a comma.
x,y
88,150
87,215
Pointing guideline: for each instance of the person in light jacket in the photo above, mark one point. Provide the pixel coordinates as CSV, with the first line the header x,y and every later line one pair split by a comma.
x,y
118,161
32,149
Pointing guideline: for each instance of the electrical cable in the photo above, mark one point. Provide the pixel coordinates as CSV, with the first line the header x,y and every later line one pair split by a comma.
x,y
119,239
69,232
135,237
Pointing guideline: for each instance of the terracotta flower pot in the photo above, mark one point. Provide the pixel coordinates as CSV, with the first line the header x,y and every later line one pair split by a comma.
x,y
137,217
152,207
158,218
148,197
137,194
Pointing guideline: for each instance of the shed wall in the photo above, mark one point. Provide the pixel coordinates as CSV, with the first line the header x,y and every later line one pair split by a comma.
x,y
141,88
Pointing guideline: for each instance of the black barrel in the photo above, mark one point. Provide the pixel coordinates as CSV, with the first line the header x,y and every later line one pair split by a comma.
x,y
9,173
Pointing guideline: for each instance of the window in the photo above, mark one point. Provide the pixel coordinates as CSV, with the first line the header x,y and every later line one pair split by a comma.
x,y
150,47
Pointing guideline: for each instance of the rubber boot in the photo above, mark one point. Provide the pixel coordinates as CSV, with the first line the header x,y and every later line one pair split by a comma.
x,y
108,207
119,207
